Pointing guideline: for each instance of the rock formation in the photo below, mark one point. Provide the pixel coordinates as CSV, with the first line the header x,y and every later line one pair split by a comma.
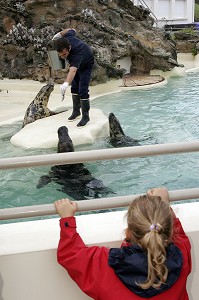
x,y
113,28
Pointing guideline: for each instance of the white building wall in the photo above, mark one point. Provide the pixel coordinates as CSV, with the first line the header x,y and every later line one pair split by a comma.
x,y
124,63
170,11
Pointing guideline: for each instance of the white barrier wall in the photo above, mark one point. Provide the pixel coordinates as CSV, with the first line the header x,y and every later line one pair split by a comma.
x,y
28,267
170,11
189,60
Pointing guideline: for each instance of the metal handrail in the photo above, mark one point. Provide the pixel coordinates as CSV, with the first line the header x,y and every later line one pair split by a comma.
x,y
93,155
89,205
146,5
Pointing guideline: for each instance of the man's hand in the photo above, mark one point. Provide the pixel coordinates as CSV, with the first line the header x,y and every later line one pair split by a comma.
x,y
65,208
57,36
162,192
63,88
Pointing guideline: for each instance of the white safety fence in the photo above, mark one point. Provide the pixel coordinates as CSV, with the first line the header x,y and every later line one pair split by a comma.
x,y
94,155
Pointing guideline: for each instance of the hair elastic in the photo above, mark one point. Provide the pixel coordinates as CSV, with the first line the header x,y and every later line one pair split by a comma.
x,y
153,226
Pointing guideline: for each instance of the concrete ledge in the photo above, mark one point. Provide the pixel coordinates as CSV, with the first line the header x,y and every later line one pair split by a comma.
x,y
28,253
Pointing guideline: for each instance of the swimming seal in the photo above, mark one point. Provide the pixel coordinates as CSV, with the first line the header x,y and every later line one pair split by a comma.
x,y
117,135
75,179
38,107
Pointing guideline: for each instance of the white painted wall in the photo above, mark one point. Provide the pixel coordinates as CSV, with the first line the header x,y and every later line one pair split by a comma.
x,y
190,61
28,267
124,63
170,11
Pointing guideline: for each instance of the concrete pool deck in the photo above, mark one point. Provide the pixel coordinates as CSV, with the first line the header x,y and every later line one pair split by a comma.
x,y
21,92
16,95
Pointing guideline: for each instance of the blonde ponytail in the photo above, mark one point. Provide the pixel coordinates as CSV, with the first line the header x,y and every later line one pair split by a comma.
x,y
150,224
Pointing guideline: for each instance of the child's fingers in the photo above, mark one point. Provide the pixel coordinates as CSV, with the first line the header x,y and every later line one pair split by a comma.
x,y
150,192
74,204
65,203
162,192
61,202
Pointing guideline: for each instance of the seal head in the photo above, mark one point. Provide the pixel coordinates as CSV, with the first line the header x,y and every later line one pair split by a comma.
x,y
38,107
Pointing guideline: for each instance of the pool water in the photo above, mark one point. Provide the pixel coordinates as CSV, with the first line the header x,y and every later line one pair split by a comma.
x,y
166,114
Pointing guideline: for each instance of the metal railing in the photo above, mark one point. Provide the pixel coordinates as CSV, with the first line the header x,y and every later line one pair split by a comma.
x,y
94,155
89,205
143,3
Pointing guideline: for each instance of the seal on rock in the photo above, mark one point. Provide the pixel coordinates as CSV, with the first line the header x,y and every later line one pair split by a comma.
x,y
38,107
117,135
75,179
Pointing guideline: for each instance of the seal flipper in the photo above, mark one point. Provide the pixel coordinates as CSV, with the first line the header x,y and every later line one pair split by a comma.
x,y
43,180
149,138
75,180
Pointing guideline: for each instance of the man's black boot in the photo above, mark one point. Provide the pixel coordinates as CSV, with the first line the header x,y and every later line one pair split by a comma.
x,y
76,108
85,105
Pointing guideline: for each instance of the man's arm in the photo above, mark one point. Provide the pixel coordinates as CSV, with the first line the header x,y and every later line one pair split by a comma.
x,y
68,80
62,33
71,74
65,31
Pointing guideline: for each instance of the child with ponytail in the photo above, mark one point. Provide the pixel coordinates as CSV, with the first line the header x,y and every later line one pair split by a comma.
x,y
153,262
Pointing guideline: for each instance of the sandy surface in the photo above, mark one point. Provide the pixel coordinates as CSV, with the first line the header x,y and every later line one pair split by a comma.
x,y
21,93
16,95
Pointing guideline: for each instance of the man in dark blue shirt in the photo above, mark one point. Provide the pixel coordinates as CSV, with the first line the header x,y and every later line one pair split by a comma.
x,y
81,60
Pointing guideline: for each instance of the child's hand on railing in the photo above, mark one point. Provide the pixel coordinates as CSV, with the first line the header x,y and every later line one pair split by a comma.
x,y
65,208
162,192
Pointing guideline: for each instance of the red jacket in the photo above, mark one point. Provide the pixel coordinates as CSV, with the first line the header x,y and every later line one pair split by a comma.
x,y
88,266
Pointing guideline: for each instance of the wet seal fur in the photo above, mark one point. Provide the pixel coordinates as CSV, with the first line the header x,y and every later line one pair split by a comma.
x,y
38,107
117,135
75,179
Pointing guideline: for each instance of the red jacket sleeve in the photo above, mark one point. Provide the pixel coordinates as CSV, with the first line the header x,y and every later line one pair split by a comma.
x,y
181,240
80,261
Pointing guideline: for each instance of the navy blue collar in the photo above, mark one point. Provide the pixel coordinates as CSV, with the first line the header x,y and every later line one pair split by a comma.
x,y
131,266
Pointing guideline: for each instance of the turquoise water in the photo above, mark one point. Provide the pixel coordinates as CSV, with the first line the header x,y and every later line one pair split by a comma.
x,y
164,115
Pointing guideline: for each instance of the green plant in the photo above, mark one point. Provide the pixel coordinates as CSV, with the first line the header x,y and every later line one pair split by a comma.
x,y
194,51
190,30
196,13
